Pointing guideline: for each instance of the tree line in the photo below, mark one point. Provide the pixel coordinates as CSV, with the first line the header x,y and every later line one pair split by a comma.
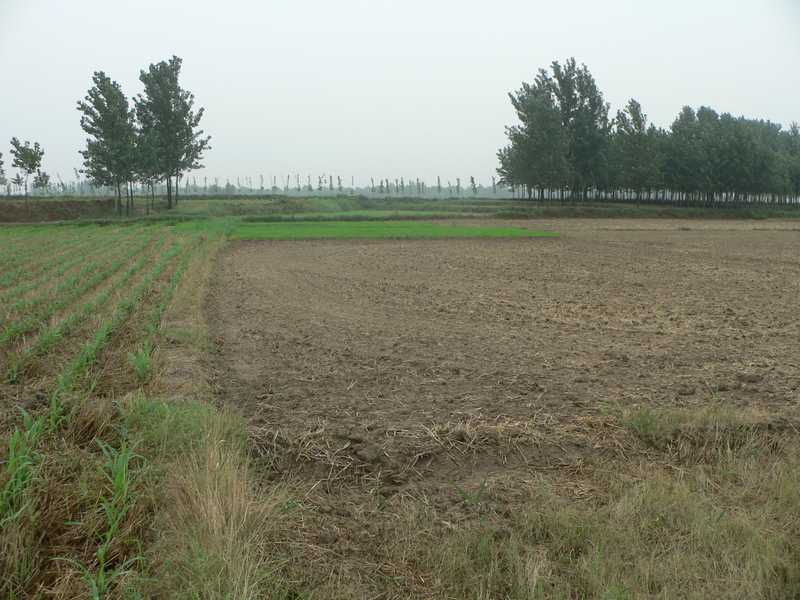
x,y
154,141
567,147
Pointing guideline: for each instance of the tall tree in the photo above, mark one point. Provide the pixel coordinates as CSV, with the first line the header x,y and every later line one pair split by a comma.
x,y
683,154
634,151
538,154
148,169
164,112
791,160
3,181
584,114
110,155
27,158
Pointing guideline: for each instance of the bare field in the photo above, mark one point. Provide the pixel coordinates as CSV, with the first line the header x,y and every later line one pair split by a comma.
x,y
377,372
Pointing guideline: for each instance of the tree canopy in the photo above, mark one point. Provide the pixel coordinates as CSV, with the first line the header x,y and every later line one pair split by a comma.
x,y
565,144
164,113
110,156
539,153
27,158
156,140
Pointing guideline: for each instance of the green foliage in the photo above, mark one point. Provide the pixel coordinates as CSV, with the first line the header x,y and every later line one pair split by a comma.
x,y
168,123
41,181
111,151
538,154
141,360
27,159
116,503
564,137
19,470
474,500
635,158
585,117
381,229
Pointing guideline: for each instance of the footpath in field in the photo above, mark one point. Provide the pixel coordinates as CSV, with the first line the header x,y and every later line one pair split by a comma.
x,y
382,369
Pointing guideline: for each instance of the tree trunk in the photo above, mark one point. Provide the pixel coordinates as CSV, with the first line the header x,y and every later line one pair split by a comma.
x,y
169,192
177,187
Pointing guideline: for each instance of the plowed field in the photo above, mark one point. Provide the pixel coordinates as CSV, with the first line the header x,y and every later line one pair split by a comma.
x,y
381,368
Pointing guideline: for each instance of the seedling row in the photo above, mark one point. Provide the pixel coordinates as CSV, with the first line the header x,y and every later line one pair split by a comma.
x,y
56,326
80,324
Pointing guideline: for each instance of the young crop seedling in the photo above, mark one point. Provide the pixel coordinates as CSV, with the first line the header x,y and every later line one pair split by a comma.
x,y
474,500
20,468
141,360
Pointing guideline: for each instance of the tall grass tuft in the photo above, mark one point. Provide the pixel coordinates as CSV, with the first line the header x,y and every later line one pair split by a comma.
x,y
216,524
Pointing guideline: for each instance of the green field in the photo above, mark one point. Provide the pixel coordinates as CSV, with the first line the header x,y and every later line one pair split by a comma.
x,y
373,229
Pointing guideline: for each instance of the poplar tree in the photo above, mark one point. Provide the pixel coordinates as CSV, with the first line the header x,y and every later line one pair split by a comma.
x,y
165,112
634,151
111,150
790,159
27,159
538,155
584,114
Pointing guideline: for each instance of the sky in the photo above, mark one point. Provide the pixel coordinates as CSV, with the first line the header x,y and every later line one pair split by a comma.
x,y
384,89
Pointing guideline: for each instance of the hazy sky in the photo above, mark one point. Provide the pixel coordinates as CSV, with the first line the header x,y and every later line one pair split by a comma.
x,y
384,89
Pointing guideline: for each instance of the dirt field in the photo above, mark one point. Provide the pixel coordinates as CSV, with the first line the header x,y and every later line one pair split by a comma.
x,y
375,369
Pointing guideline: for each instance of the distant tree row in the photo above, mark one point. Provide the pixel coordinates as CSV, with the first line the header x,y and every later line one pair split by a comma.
x,y
155,141
566,146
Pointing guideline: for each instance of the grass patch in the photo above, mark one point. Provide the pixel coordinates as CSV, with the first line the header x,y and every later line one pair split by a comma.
x,y
700,507
213,523
383,229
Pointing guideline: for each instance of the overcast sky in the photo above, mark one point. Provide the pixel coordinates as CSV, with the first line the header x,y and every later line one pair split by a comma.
x,y
384,89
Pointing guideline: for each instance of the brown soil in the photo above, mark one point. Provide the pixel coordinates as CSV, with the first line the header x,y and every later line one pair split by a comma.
x,y
391,367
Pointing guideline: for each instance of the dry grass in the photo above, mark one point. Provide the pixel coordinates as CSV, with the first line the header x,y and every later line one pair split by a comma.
x,y
691,503
707,517
213,524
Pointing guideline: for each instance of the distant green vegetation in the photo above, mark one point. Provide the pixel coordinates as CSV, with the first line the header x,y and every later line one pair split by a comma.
x,y
567,144
372,229
361,208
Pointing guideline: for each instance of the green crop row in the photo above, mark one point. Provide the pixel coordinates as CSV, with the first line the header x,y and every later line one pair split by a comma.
x,y
115,249
27,267
141,358
21,245
59,330
68,378
89,277
56,266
